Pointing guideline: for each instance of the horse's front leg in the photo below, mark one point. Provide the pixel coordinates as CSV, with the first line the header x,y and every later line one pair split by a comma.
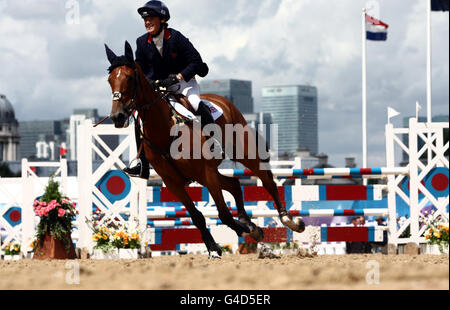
x,y
197,218
215,187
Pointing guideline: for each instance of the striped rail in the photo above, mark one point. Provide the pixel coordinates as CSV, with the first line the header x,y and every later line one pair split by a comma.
x,y
156,195
162,214
315,173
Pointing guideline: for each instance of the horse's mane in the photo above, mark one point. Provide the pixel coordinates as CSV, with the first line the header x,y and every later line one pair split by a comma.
x,y
121,61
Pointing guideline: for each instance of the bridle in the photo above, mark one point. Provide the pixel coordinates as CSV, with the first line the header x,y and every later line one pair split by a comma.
x,y
117,96
129,108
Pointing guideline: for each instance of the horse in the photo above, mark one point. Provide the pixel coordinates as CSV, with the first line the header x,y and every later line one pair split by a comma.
x,y
132,91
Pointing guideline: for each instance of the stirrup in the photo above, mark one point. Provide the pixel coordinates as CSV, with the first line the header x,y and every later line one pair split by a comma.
x,y
130,165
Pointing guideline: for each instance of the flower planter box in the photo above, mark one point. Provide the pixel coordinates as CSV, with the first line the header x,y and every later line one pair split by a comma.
x,y
52,248
128,253
12,257
435,250
99,254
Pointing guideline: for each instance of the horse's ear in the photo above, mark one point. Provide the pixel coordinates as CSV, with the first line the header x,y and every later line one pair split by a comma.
x,y
129,52
110,54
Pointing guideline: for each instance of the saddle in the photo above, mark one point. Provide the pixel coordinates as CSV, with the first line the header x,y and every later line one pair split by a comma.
x,y
184,101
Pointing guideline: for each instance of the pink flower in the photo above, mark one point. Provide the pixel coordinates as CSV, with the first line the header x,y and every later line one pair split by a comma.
x,y
61,212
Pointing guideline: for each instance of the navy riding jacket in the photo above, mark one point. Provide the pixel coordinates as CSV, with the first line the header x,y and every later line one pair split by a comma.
x,y
178,56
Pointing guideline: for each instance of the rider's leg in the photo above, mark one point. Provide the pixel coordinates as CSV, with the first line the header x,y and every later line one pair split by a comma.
x,y
192,91
142,168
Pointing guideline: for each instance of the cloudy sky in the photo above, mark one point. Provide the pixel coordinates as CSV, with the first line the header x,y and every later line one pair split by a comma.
x,y
52,60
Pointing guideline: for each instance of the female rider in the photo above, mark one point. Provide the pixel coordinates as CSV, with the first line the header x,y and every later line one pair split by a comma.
x,y
165,55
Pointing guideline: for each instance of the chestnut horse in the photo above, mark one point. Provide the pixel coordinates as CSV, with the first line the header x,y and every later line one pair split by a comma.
x,y
133,92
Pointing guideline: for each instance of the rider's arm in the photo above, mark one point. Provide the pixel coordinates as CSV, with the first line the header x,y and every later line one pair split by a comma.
x,y
192,57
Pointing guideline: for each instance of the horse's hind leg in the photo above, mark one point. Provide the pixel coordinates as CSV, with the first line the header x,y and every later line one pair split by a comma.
x,y
197,217
266,177
233,186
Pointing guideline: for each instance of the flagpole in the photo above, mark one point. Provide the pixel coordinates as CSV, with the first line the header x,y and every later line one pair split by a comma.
x,y
429,61
429,72
364,95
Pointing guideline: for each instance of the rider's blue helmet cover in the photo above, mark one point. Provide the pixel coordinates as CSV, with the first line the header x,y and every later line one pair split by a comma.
x,y
155,8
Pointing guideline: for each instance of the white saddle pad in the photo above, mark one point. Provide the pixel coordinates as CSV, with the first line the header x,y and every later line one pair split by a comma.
x,y
216,111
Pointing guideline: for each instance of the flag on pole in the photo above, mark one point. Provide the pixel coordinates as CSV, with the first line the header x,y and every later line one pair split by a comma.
x,y
392,113
376,30
62,151
439,5
418,107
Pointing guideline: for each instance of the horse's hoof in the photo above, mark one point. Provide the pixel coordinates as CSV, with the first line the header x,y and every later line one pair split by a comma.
x,y
214,255
256,232
301,225
296,224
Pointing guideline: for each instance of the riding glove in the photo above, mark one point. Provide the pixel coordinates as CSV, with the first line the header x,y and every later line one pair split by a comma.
x,y
168,82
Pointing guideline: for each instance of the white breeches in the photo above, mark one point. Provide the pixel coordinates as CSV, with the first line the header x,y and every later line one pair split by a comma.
x,y
190,90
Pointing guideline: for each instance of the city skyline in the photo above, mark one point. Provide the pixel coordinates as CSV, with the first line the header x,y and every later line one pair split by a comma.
x,y
268,42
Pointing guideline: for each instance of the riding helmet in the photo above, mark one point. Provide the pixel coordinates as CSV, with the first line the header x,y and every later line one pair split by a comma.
x,y
155,8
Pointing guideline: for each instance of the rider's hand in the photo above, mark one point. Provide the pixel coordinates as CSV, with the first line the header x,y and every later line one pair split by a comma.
x,y
153,84
168,82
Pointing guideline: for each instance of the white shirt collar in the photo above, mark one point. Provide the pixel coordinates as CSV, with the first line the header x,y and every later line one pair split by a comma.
x,y
159,40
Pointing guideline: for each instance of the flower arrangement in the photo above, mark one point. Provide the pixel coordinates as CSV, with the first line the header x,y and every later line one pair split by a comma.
x,y
125,240
437,232
33,245
56,215
227,248
12,249
110,233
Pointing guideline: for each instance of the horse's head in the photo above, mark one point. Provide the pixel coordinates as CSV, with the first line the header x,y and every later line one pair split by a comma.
x,y
123,79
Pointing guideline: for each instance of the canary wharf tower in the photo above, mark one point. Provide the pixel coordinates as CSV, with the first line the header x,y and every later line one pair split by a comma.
x,y
294,110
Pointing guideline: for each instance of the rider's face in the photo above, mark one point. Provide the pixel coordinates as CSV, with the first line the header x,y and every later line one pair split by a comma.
x,y
152,24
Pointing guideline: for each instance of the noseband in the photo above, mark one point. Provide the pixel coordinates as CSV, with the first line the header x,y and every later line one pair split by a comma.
x,y
117,96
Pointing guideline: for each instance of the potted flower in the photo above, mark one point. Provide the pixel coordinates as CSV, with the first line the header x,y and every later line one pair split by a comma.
x,y
437,235
127,243
12,251
114,239
227,249
53,236
103,229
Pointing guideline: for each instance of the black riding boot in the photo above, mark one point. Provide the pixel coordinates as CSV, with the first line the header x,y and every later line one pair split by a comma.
x,y
142,169
205,113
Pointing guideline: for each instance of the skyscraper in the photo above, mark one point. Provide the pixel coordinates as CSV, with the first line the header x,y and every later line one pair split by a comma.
x,y
237,91
294,110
